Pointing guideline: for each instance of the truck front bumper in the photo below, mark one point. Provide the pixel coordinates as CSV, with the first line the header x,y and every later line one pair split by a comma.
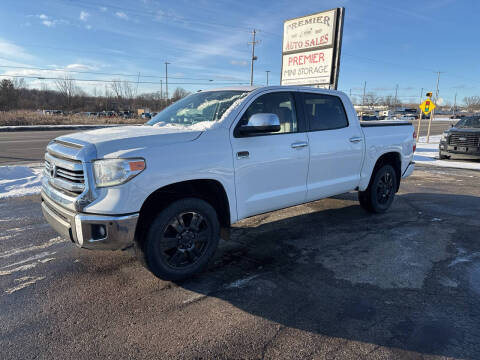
x,y
99,232
472,152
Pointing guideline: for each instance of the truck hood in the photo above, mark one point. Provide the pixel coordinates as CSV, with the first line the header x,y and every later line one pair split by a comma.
x,y
464,130
110,142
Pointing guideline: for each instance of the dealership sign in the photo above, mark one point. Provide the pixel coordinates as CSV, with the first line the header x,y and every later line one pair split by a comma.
x,y
311,49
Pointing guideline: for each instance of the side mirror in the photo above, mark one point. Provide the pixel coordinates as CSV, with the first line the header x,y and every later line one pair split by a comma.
x,y
261,123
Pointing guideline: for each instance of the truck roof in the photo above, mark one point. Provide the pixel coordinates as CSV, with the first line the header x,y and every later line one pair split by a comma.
x,y
274,87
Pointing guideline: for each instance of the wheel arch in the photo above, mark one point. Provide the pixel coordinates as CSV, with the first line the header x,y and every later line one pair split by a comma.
x,y
392,158
209,190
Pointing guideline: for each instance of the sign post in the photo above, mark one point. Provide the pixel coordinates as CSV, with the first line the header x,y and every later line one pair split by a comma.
x,y
427,107
311,49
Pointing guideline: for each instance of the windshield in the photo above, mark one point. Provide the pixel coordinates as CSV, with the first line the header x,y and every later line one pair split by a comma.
x,y
199,111
472,122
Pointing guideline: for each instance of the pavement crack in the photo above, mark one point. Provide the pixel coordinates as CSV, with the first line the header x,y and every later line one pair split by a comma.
x,y
271,340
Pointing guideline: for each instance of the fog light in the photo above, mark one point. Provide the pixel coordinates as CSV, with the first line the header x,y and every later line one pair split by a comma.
x,y
98,231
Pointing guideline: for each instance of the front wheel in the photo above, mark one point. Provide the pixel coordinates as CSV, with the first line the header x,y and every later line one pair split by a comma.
x,y
379,195
443,157
181,239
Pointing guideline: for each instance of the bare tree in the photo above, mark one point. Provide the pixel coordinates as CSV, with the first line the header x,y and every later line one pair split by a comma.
x,y
179,93
19,83
122,89
67,88
472,102
388,100
372,99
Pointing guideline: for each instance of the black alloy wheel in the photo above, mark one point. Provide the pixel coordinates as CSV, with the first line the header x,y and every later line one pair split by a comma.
x,y
385,188
180,240
184,239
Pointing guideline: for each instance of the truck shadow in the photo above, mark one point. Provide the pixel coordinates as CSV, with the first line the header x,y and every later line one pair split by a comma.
x,y
393,280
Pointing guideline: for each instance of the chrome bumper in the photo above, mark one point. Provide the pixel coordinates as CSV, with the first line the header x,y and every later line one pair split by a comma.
x,y
97,232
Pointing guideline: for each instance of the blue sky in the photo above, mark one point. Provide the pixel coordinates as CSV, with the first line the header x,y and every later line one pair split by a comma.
x,y
385,42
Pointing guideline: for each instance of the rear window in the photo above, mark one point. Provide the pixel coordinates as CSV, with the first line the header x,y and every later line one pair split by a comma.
x,y
324,112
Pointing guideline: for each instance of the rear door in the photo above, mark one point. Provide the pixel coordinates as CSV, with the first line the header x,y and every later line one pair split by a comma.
x,y
270,168
336,146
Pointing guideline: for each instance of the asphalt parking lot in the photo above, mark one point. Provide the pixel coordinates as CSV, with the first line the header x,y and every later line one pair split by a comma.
x,y
323,280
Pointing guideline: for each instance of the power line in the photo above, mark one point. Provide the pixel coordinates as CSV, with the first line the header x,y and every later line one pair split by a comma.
x,y
113,81
104,73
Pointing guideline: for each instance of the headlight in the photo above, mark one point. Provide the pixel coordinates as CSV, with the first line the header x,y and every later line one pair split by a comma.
x,y
111,172
444,136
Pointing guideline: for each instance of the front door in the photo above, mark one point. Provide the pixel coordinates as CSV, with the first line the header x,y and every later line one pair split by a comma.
x,y
270,168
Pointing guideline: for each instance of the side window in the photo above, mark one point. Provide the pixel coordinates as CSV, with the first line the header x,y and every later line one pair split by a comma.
x,y
324,112
281,104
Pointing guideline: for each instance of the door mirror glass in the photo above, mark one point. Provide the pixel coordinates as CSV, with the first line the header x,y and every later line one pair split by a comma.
x,y
260,123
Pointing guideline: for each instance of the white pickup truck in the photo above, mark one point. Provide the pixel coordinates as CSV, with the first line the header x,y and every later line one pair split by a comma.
x,y
174,186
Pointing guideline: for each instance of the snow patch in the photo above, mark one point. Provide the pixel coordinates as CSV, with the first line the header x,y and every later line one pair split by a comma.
x,y
19,181
27,281
427,154
51,242
241,282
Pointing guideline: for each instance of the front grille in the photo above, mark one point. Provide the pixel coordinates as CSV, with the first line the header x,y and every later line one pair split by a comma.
x,y
463,139
64,172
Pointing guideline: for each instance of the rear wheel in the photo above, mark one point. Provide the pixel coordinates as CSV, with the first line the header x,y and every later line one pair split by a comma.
x,y
181,239
379,195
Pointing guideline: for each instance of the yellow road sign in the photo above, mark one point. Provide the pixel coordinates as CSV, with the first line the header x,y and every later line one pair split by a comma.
x,y
427,106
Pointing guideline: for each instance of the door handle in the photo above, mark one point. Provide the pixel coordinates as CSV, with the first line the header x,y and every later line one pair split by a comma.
x,y
300,144
355,139
243,155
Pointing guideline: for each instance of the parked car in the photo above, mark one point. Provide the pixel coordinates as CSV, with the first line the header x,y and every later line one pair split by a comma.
x,y
146,116
126,114
172,187
462,140
368,118
407,117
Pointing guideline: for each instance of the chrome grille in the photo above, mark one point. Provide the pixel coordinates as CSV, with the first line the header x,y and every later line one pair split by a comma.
x,y
464,139
64,172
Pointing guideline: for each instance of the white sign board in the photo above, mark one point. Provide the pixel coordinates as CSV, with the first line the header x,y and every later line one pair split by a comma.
x,y
311,49
309,32
311,67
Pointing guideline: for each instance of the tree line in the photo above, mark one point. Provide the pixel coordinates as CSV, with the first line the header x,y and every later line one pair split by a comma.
x,y
69,96
471,103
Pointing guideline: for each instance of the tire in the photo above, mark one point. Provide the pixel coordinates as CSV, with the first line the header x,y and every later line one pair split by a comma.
x,y
379,195
180,240
442,157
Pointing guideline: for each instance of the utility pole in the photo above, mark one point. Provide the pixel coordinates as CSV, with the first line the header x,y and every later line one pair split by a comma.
x,y
267,71
166,80
432,112
161,91
438,81
253,43
364,88
396,98
454,105
138,80
350,93
420,116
